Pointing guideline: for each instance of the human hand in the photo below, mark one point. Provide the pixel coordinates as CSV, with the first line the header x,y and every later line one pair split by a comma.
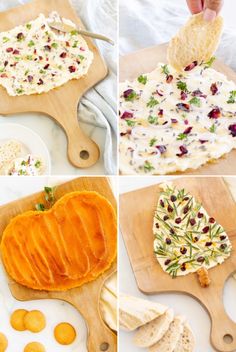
x,y
210,8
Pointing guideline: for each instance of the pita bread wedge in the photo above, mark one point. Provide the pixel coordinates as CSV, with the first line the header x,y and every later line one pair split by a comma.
x,y
196,41
150,333
186,342
169,341
135,312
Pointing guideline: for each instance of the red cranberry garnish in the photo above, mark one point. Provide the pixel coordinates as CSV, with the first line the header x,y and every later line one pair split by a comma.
x,y
127,93
161,148
40,58
215,113
160,113
183,250
183,95
186,209
172,231
183,267
40,82
157,225
178,220
174,121
188,130
192,222
167,262
183,107
72,69
3,75
183,150
186,122
222,238
166,217
202,141
159,93
46,66
168,241
170,209
16,52
30,78
232,128
214,88
208,244
9,50
5,63
162,203
47,47
200,259
127,115
195,239
20,36
186,198
191,66
169,78
67,44
63,55
200,215
206,229
173,198
223,246
212,220
198,93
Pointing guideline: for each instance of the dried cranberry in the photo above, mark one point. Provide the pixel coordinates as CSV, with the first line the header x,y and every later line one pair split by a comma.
x,y
183,267
40,82
127,115
173,198
168,241
200,259
127,93
72,69
223,246
9,50
170,209
172,231
174,121
67,44
160,113
47,47
206,229
159,93
167,262
35,51
186,209
183,250
162,203
3,75
157,225
215,113
16,52
186,122
183,95
212,220
178,220
232,128
222,238
46,66
161,148
192,222
166,217
196,239
20,36
214,88
198,93
186,198
183,150
200,215
191,66
183,107
188,130
208,244
63,55
40,58
30,78
169,78
202,141
5,63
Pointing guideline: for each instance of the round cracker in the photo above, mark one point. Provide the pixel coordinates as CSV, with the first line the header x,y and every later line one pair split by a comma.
x,y
3,342
64,333
34,347
17,319
35,321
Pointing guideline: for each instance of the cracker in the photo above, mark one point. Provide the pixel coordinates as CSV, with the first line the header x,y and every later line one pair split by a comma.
x,y
17,319
34,321
3,342
34,347
196,41
64,333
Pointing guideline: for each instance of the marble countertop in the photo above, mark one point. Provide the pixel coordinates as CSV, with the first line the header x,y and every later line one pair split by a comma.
x,y
11,190
182,304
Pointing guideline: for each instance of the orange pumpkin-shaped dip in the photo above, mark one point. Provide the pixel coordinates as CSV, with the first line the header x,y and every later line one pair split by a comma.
x,y
72,243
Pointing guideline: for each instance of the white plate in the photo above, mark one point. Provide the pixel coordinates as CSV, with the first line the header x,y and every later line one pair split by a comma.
x,y
31,140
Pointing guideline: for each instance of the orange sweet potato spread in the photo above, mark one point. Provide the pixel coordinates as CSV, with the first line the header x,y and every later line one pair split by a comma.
x,y
72,243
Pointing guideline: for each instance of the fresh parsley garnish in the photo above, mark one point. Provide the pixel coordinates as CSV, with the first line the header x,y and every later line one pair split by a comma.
x,y
148,166
153,120
165,70
152,142
182,86
210,62
19,91
37,164
212,129
142,79
195,101
74,32
49,194
31,43
75,44
130,123
40,207
28,26
131,96
152,102
5,39
54,45
232,98
182,136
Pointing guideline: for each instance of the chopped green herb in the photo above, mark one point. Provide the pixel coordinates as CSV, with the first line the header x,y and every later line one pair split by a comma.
x,y
19,91
130,123
142,79
42,71
152,142
28,26
5,39
182,136
75,44
232,98
2,69
148,166
40,207
26,72
81,57
54,45
210,62
37,164
131,96
74,32
182,86
29,57
152,102
212,129
31,43
165,70
153,120
195,101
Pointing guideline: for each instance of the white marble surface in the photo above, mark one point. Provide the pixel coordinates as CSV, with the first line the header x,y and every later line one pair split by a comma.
x,y
55,311
182,304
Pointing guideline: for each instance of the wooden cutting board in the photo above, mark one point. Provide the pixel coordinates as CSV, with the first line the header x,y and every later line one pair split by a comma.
x,y
143,61
87,297
60,103
136,220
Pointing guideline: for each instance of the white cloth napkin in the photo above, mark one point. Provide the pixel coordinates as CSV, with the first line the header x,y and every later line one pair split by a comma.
x,y
146,23
98,107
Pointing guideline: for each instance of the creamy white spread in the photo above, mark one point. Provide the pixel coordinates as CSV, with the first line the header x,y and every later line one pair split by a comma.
x,y
172,122
28,165
35,59
186,237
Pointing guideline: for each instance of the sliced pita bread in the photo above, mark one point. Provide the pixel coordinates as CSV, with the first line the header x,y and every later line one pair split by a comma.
x,y
169,341
196,41
186,342
135,312
150,333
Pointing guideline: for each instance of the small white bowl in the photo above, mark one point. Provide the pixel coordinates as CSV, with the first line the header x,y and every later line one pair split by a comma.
x,y
30,140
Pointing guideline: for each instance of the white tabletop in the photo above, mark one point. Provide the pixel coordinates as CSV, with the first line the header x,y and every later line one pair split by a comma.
x,y
182,304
